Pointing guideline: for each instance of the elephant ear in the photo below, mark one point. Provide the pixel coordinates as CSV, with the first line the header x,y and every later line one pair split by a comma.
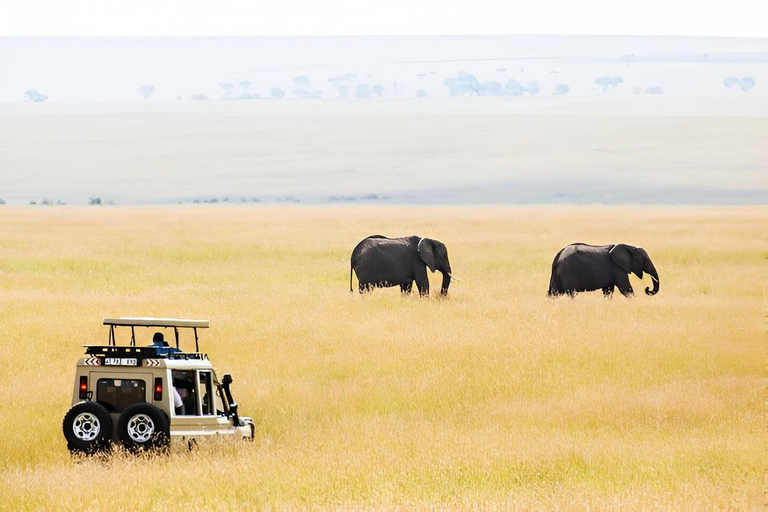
x,y
621,255
426,250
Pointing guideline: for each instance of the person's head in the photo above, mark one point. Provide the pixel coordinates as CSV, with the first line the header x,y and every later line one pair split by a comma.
x,y
159,339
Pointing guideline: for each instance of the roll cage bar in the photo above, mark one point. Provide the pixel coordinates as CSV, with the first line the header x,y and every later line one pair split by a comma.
x,y
176,323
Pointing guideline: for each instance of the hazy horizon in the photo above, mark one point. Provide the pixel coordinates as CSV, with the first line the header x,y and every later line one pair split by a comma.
x,y
111,69
384,120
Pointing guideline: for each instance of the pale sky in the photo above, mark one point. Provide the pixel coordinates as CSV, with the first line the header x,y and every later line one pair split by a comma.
x,y
719,18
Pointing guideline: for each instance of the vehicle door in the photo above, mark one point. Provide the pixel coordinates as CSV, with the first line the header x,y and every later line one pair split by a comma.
x,y
203,410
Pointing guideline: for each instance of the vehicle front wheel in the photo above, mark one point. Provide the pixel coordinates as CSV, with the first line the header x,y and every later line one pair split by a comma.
x,y
87,428
143,426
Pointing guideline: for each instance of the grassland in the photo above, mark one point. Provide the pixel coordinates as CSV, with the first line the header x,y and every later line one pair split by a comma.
x,y
494,396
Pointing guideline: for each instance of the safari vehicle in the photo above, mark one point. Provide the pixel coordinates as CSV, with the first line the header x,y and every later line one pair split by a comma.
x,y
146,397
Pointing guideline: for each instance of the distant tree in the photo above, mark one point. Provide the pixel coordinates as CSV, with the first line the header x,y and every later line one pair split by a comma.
x,y
276,93
463,84
744,84
362,91
378,90
343,83
33,96
345,79
533,88
492,88
629,58
561,90
302,81
607,82
2,201
94,200
199,97
421,93
654,90
247,94
146,91
228,89
514,87
307,94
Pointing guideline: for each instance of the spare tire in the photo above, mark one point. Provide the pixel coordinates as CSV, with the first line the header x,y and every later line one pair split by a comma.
x,y
87,428
143,426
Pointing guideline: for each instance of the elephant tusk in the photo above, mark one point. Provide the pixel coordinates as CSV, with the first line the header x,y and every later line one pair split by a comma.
x,y
654,279
452,277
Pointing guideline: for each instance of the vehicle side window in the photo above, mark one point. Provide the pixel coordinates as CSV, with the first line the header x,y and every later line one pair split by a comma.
x,y
117,394
206,392
184,382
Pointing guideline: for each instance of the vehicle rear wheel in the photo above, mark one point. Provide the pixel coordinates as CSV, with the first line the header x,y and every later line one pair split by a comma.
x,y
87,428
143,426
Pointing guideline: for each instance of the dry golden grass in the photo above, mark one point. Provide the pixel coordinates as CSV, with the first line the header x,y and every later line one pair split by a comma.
x,y
497,395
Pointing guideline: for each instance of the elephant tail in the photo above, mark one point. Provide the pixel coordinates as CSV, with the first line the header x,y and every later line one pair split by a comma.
x,y
350,277
555,286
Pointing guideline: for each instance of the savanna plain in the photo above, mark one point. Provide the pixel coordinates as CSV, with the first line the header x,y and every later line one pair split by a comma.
x,y
495,395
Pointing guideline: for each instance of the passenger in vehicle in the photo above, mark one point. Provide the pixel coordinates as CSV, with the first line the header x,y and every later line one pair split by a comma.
x,y
158,340
178,404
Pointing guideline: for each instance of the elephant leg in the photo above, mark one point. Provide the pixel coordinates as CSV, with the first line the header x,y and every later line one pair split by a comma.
x,y
405,289
608,291
422,281
624,287
629,292
364,287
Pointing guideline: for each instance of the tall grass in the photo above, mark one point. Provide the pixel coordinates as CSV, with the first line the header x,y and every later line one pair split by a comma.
x,y
495,395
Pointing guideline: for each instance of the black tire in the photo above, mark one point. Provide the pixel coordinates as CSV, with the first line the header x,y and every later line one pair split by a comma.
x,y
143,427
87,428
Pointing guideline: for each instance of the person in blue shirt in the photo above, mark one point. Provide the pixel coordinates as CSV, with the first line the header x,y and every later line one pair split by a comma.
x,y
158,341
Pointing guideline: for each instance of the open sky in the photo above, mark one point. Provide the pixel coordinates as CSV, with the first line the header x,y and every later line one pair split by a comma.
x,y
719,18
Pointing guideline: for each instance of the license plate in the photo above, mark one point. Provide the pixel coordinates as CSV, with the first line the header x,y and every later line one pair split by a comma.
x,y
120,361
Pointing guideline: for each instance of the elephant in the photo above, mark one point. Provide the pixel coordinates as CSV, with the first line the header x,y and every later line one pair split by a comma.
x,y
380,262
582,267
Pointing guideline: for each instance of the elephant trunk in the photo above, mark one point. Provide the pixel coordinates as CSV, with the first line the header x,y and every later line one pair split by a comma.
x,y
650,269
446,280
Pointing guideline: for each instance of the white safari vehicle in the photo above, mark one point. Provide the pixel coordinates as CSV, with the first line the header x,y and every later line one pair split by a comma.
x,y
149,396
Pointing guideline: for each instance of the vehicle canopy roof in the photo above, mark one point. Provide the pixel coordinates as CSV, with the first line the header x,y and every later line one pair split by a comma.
x,y
156,322
134,322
